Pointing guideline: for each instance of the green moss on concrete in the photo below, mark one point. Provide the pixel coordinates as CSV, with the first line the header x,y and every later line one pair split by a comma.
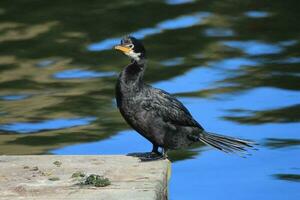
x,y
96,180
57,163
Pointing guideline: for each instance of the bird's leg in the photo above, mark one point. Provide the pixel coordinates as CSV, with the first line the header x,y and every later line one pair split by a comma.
x,y
155,150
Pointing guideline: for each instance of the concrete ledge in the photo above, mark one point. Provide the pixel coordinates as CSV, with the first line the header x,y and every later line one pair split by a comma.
x,y
49,177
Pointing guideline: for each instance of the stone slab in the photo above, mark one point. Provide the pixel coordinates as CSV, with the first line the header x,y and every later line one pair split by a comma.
x,y
50,177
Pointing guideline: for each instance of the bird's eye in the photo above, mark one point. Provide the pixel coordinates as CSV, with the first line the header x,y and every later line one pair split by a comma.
x,y
130,46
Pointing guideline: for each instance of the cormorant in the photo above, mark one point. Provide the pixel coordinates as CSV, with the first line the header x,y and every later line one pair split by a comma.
x,y
157,115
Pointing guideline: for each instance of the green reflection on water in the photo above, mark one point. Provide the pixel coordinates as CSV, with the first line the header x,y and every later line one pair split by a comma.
x,y
281,143
288,177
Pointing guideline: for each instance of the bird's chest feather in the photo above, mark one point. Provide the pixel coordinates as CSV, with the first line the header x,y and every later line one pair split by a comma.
x,y
132,104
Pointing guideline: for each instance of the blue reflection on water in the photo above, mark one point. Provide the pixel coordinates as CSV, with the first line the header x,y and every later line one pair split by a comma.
x,y
104,45
146,32
177,2
288,43
234,63
52,124
254,47
14,97
193,80
81,74
257,14
218,32
184,21
264,98
209,113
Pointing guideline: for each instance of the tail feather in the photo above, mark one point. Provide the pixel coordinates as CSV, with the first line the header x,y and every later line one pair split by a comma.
x,y
223,146
225,143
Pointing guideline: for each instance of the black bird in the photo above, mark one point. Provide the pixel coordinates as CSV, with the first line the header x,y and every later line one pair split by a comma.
x,y
157,115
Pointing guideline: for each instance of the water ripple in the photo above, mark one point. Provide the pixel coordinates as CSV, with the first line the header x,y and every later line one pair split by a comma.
x,y
81,74
14,97
257,14
183,21
219,32
234,63
104,44
178,2
264,98
254,47
193,80
52,124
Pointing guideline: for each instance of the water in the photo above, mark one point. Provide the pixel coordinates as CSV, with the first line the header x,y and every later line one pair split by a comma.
x,y
234,64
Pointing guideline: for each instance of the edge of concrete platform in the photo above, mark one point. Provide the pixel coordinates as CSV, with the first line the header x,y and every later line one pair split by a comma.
x,y
50,177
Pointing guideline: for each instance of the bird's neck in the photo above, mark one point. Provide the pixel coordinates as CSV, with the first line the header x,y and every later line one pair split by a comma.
x,y
133,74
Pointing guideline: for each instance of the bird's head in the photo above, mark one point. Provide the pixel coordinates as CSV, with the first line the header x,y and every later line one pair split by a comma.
x,y
132,47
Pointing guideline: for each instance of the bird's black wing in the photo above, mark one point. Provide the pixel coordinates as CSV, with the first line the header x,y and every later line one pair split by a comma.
x,y
171,110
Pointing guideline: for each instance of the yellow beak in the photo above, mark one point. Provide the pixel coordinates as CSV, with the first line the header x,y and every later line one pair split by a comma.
x,y
122,48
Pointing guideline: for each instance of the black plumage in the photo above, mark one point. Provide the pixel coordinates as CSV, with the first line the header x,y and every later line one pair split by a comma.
x,y
156,114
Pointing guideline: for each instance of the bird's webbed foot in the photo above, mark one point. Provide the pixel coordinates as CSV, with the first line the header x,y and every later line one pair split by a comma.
x,y
147,156
139,155
150,156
